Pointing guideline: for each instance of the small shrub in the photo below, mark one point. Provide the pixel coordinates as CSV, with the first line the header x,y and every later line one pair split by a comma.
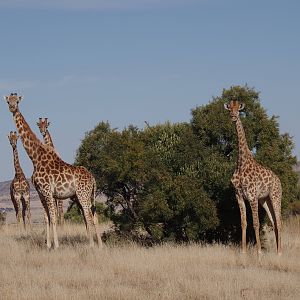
x,y
74,213
295,208
2,218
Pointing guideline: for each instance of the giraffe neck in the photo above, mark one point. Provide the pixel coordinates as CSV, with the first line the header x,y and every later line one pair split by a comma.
x,y
31,143
48,140
18,170
244,152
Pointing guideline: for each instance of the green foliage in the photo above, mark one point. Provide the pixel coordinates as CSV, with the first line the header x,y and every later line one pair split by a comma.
x,y
144,174
74,213
172,181
213,126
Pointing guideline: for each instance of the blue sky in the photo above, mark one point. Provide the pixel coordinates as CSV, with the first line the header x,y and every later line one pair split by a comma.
x,y
126,61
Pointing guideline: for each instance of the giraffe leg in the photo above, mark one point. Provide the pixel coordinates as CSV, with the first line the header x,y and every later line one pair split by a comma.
x,y
27,208
87,213
278,232
52,207
60,212
92,228
254,208
47,219
96,224
18,207
276,203
242,207
268,211
84,198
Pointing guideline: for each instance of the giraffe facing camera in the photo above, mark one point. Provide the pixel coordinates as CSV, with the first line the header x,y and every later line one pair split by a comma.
x,y
55,179
255,183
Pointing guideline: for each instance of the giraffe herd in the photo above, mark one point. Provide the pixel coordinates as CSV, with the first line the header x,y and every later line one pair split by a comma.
x,y
56,180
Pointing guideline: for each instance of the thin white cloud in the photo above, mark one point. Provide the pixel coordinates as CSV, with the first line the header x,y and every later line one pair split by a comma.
x,y
68,80
16,85
87,4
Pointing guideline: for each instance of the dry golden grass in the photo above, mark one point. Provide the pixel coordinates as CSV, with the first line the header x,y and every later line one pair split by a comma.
x,y
75,271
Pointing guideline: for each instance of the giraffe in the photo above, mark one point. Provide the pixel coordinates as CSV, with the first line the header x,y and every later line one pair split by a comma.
x,y
55,179
19,188
43,125
254,183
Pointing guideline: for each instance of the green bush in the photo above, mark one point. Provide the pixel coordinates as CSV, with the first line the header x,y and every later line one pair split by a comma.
x,y
171,182
74,213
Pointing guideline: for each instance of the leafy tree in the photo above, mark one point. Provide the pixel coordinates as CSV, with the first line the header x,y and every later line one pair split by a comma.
x,y
145,176
172,181
213,126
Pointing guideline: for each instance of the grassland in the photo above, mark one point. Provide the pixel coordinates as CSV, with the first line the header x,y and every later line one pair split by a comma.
x,y
76,271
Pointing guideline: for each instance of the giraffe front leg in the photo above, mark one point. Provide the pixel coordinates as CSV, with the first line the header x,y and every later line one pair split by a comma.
x,y
27,209
18,207
60,212
47,223
47,220
242,207
254,207
52,207
276,203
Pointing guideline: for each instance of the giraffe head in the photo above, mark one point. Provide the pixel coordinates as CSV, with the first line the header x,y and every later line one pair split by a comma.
x,y
234,107
13,139
13,101
43,125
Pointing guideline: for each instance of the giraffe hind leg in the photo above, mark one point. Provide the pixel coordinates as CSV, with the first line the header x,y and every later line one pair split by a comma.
x,y
254,207
91,226
266,204
52,207
60,212
276,205
26,209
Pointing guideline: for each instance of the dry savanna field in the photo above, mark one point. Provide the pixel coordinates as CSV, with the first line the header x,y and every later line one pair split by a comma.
x,y
76,271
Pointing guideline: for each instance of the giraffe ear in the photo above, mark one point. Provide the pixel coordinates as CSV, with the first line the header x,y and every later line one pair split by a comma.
x,y
5,98
20,98
226,106
242,106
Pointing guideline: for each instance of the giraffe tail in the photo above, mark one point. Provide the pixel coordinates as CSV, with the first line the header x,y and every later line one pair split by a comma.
x,y
94,202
